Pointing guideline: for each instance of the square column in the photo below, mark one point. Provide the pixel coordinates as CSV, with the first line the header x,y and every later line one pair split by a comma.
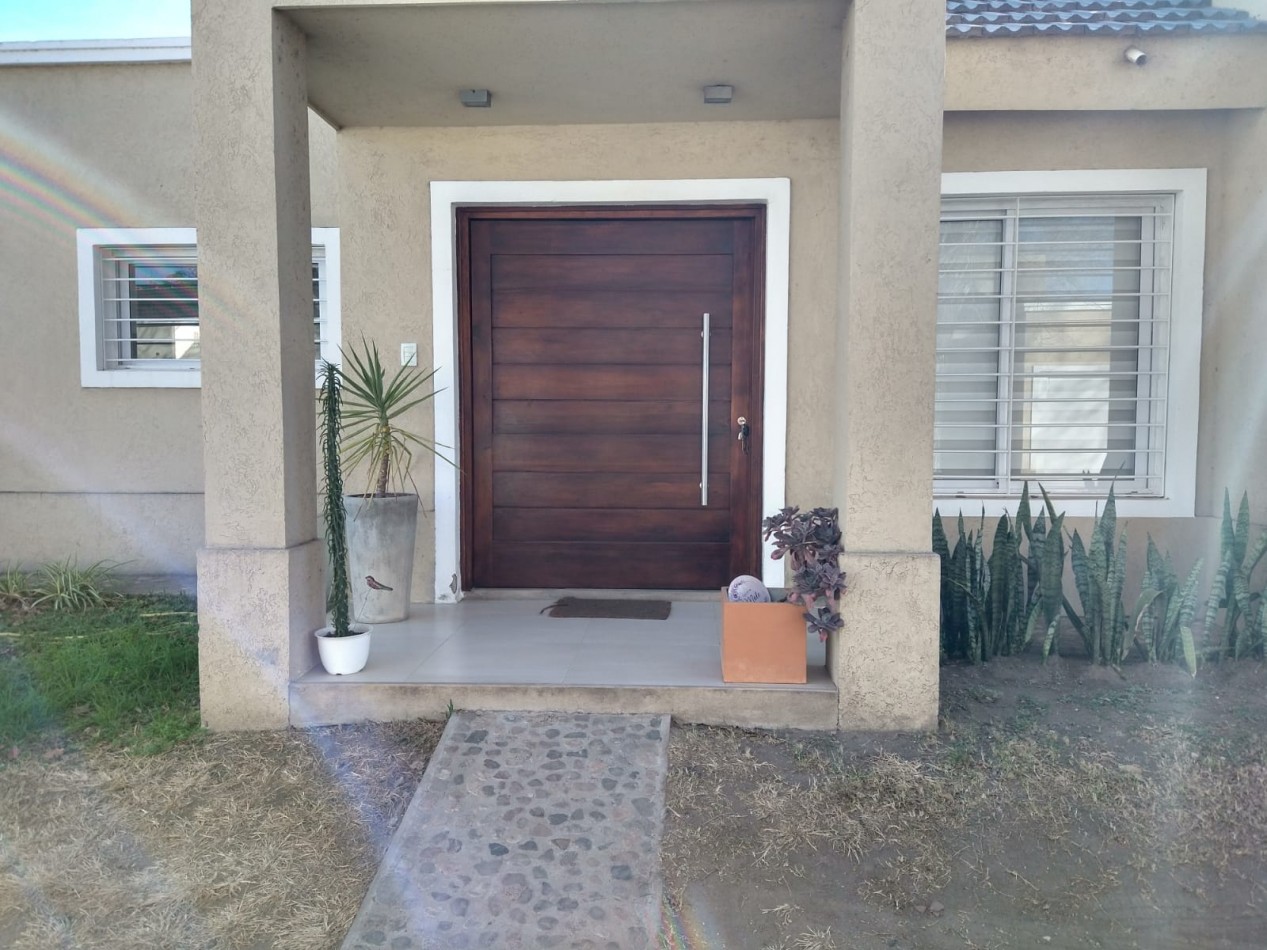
x,y
885,660
260,577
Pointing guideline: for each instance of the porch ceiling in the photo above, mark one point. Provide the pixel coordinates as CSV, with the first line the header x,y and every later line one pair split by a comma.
x,y
564,63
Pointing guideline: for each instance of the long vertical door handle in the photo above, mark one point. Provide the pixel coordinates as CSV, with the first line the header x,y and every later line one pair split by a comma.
x,y
703,435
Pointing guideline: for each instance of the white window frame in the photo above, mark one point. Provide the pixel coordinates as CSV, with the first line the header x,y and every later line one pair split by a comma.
x,y
1179,469
91,243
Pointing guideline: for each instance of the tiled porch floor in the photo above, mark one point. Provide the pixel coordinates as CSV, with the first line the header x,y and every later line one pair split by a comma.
x,y
509,641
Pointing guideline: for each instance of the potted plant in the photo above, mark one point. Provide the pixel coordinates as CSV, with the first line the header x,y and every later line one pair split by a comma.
x,y
343,647
382,521
765,642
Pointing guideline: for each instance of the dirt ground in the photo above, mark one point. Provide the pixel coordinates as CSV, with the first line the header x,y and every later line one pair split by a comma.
x,y
1058,806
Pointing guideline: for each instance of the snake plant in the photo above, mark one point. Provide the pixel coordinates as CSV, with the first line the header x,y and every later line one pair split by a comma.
x,y
1244,609
1099,573
993,606
1163,614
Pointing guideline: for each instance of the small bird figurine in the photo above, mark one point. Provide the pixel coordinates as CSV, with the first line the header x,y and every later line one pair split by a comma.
x,y
373,584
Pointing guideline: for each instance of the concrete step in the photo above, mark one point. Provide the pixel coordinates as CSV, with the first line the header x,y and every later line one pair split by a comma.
x,y
812,706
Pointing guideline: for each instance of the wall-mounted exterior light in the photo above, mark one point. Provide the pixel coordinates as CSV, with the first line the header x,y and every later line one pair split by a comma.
x,y
476,98
718,95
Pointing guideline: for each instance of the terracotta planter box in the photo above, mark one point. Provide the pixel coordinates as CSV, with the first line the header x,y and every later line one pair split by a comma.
x,y
762,643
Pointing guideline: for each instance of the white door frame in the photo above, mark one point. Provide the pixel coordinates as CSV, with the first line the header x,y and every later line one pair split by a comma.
x,y
447,196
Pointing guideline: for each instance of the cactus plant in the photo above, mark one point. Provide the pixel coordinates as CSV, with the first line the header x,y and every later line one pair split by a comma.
x,y
332,510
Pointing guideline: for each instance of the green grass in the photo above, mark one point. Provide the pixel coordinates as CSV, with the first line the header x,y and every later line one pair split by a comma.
x,y
124,674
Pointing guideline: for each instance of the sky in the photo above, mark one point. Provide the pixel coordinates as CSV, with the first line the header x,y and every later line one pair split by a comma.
x,y
30,20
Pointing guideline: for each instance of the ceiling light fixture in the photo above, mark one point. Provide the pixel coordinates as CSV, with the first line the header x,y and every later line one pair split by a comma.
x,y
718,95
475,98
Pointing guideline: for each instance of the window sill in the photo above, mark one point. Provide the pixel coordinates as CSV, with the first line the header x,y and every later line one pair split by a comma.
x,y
91,378
1128,506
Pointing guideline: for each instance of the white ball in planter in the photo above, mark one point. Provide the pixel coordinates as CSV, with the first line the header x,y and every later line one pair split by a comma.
x,y
747,589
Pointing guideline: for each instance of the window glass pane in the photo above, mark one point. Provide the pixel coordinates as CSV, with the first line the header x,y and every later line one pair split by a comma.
x,y
162,311
968,312
1077,336
316,309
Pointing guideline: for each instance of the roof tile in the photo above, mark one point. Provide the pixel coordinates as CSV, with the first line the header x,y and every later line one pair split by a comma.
x,y
1063,17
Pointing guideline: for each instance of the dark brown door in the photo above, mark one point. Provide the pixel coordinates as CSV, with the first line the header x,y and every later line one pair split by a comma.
x,y
583,399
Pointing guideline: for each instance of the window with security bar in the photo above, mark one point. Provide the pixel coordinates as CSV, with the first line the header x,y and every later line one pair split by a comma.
x,y
1053,328
142,306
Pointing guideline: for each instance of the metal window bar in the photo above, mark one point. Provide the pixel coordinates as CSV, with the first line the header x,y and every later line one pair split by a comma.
x,y
1151,278
128,334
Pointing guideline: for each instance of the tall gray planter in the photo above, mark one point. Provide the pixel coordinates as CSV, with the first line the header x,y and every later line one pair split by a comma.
x,y
381,535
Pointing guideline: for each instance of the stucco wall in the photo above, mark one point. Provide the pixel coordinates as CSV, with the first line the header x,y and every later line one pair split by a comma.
x,y
384,215
117,474
1182,71
96,473
1233,396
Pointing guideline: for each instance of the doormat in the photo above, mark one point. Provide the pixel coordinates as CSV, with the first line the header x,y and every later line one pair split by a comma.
x,y
593,608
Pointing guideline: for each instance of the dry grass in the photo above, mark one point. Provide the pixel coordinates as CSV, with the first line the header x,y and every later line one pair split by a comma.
x,y
263,840
1042,824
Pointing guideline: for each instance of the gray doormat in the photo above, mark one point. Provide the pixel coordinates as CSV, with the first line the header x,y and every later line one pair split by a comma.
x,y
594,608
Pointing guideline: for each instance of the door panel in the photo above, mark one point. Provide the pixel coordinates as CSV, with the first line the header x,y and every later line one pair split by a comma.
x,y
655,454
666,346
596,524
582,396
612,416
535,308
596,490
607,565
646,382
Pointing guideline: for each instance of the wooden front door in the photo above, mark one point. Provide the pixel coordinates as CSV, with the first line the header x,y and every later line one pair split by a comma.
x,y
584,396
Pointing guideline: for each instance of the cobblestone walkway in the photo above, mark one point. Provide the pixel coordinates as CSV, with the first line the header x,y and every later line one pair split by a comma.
x,y
528,830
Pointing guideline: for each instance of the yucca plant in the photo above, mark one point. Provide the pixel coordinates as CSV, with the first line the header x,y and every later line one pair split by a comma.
x,y
372,408
1099,571
1244,630
332,510
1163,614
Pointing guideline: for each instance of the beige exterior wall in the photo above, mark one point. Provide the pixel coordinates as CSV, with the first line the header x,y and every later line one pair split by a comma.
x,y
97,473
1233,395
1091,73
385,219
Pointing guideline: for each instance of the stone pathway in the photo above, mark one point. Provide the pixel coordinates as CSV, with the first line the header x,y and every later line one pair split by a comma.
x,y
528,830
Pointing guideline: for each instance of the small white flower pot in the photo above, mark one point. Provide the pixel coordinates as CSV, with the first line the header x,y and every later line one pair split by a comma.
x,y
343,655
